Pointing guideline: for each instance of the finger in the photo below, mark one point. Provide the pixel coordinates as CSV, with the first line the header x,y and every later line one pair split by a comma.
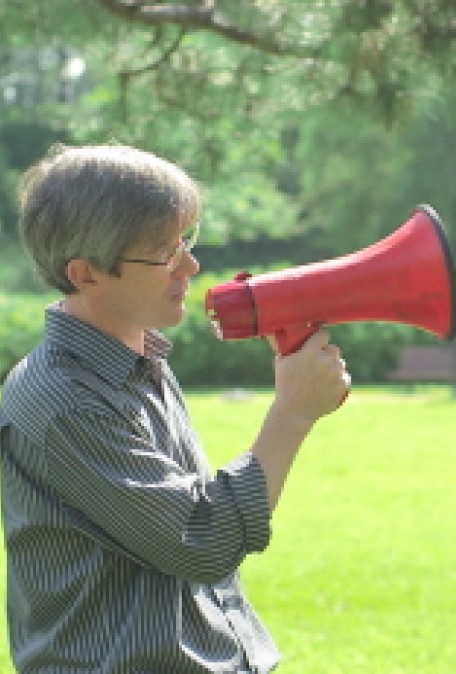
x,y
346,378
332,350
319,339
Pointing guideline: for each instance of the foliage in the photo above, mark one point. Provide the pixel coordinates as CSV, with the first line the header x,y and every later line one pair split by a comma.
x,y
7,189
200,55
283,141
16,273
21,326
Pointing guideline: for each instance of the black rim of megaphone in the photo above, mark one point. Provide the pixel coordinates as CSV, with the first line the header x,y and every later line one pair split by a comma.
x,y
441,233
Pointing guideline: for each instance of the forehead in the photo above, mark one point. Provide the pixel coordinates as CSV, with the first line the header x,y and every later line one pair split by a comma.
x,y
168,237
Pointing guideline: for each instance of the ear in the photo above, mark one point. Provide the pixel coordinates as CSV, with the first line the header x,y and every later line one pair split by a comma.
x,y
82,275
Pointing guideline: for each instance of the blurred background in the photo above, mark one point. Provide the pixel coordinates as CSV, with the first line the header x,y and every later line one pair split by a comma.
x,y
313,127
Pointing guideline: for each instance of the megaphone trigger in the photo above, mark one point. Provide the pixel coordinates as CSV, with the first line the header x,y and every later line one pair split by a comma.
x,y
292,337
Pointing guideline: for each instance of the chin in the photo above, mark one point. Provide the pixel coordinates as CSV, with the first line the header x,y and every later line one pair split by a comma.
x,y
172,319
174,322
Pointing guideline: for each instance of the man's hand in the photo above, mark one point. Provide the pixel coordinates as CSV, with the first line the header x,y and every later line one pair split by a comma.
x,y
311,382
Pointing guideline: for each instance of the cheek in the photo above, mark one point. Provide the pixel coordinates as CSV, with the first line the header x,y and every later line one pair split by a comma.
x,y
150,293
136,292
122,293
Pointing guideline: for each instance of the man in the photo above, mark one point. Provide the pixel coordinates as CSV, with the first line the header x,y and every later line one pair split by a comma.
x,y
122,548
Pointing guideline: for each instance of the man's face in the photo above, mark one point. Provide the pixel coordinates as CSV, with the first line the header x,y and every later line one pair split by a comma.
x,y
149,296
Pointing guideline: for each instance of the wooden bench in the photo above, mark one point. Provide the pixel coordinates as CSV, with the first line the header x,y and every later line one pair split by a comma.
x,y
426,364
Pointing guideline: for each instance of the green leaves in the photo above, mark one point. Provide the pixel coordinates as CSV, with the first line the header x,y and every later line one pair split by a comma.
x,y
21,326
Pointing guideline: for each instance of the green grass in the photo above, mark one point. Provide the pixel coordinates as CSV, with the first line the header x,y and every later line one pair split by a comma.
x,y
360,576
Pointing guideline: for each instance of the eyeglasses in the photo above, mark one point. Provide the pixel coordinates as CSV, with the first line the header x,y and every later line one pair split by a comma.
x,y
186,244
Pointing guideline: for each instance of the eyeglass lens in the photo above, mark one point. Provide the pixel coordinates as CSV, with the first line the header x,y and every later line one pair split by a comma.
x,y
188,241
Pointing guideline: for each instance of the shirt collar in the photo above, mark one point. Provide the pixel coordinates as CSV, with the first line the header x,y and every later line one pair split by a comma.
x,y
108,357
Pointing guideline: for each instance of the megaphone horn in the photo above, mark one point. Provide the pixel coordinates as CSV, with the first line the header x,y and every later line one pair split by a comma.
x,y
407,277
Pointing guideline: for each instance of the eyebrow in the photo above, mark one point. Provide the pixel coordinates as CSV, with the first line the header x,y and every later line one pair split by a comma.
x,y
158,247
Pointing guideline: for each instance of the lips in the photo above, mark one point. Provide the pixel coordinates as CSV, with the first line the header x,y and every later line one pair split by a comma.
x,y
179,295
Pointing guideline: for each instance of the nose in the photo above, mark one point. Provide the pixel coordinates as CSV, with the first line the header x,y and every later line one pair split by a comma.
x,y
188,265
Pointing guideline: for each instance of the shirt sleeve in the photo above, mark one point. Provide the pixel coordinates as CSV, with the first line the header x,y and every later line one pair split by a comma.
x,y
149,505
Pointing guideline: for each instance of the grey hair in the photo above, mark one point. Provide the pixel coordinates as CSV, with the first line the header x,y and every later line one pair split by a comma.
x,y
94,202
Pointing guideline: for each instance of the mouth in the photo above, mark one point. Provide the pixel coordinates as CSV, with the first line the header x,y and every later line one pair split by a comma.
x,y
180,295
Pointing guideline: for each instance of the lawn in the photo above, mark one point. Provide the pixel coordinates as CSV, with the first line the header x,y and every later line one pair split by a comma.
x,y
360,576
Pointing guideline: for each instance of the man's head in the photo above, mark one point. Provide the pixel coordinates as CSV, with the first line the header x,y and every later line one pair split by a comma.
x,y
97,202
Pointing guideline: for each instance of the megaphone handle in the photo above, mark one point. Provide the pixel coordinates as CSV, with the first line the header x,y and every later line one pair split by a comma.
x,y
291,339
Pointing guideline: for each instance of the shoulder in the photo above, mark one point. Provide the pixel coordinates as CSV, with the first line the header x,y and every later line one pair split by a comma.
x,y
41,386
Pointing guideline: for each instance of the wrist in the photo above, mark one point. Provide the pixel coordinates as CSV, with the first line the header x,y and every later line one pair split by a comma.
x,y
298,421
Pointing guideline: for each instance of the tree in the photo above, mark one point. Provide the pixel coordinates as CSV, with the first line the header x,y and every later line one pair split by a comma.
x,y
230,90
372,51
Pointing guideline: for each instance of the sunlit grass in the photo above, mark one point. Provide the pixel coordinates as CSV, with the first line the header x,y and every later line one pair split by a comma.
x,y
360,576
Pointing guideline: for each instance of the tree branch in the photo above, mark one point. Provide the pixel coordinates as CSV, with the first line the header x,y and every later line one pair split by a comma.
x,y
203,17
133,72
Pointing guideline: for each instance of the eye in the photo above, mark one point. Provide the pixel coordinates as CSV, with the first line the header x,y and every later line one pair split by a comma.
x,y
171,251
165,251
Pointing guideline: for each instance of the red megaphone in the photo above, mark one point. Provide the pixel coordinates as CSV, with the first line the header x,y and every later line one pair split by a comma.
x,y
405,278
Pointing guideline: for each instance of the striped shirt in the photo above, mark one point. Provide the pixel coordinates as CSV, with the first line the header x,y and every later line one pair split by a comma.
x,y
122,547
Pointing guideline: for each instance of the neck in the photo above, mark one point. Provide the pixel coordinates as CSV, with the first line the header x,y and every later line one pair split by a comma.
x,y
78,306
